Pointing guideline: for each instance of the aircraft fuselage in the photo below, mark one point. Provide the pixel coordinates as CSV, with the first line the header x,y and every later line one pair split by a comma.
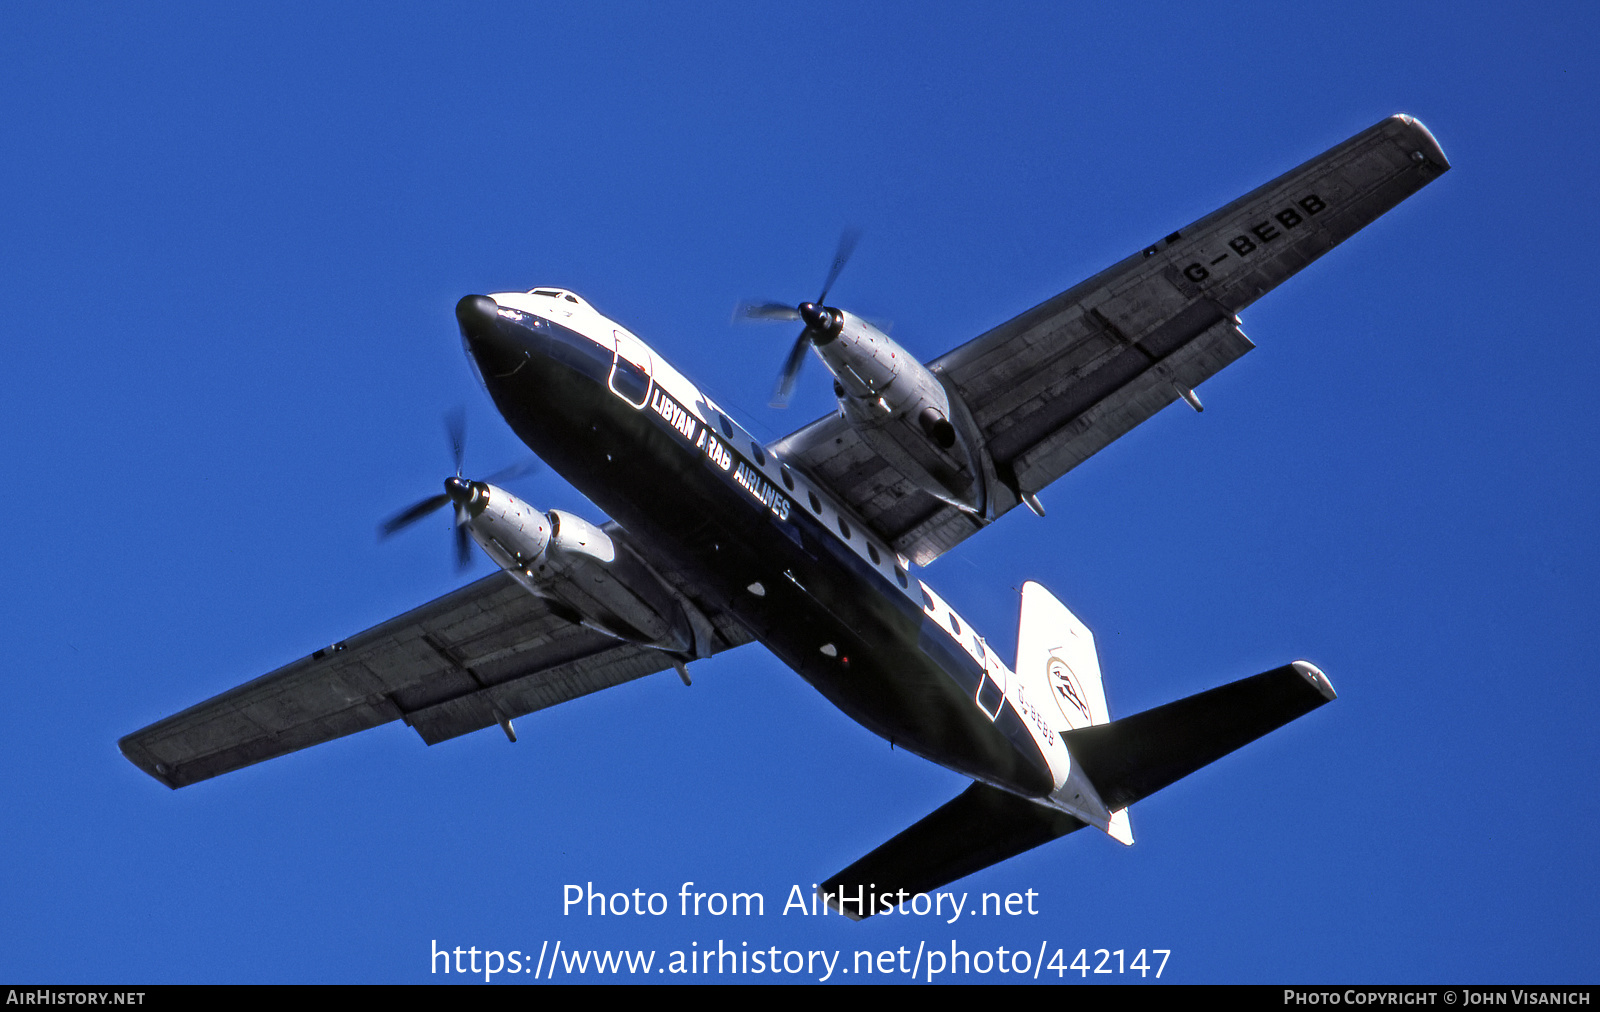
x,y
690,485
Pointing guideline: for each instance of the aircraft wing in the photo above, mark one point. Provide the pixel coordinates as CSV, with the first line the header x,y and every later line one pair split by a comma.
x,y
487,652
1054,385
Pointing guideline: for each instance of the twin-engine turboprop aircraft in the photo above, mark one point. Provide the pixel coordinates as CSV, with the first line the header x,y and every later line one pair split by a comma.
x,y
811,545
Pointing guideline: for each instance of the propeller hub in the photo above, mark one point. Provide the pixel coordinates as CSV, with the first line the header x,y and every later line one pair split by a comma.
x,y
826,322
470,498
822,323
460,491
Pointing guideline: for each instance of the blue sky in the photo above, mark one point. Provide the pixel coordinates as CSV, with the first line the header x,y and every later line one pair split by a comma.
x,y
235,240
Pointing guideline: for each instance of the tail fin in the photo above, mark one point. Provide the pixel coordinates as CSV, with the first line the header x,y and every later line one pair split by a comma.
x,y
1056,655
1056,658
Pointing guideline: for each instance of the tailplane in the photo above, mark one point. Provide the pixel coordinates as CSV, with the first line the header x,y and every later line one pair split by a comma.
x,y
1121,761
1136,756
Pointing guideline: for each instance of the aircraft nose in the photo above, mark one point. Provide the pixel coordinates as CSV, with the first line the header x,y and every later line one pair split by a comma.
x,y
476,310
485,335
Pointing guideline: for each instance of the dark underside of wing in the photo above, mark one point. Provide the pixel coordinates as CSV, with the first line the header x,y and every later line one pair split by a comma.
x,y
1052,386
484,654
982,826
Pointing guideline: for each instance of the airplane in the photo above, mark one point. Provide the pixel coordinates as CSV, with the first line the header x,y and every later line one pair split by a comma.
x,y
813,544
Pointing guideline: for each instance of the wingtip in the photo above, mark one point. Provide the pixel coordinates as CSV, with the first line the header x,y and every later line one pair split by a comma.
x,y
1319,681
832,900
1427,146
132,752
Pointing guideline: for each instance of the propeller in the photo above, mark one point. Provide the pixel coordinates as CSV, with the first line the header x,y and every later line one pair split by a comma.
x,y
821,322
457,490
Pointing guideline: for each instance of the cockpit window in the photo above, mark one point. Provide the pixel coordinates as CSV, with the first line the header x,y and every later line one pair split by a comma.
x,y
559,293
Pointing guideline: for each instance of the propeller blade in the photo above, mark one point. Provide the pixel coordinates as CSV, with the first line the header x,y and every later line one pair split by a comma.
x,y
463,541
455,427
513,472
791,370
817,317
406,517
847,246
766,311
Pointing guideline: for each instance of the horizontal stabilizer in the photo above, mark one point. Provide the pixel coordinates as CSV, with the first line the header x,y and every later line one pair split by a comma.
x,y
1136,756
982,826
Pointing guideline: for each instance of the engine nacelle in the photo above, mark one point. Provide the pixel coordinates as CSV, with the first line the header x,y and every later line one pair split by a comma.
x,y
903,411
584,571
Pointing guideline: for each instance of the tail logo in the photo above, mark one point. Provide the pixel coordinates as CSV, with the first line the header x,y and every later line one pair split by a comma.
x,y
1067,689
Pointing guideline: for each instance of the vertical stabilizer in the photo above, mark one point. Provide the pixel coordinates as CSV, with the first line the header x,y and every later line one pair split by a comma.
x,y
1056,658
1056,655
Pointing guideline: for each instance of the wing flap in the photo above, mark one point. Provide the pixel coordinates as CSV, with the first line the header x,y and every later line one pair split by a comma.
x,y
1048,452
613,664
